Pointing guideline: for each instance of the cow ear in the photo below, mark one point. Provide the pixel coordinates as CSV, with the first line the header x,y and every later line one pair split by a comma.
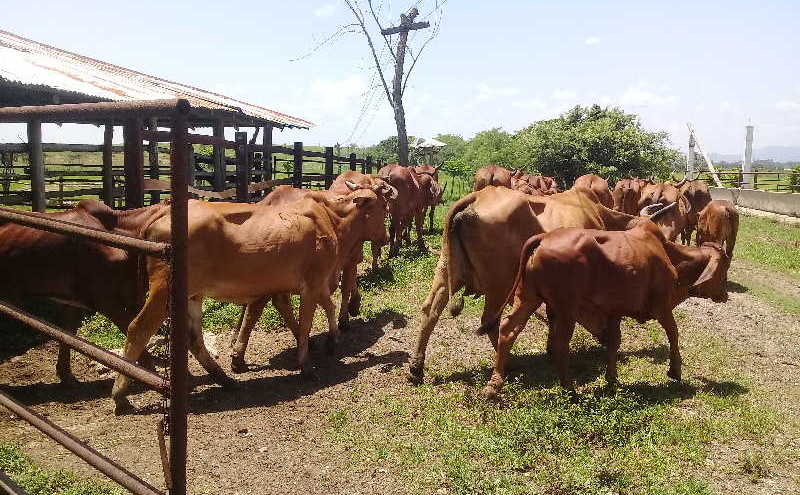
x,y
708,272
362,201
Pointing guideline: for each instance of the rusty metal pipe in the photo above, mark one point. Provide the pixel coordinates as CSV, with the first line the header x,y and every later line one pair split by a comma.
x,y
42,222
116,363
8,486
74,445
93,112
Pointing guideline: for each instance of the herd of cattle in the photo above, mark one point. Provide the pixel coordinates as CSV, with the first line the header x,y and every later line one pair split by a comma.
x,y
590,254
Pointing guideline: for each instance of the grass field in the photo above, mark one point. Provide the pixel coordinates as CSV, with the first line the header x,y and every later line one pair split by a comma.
x,y
725,428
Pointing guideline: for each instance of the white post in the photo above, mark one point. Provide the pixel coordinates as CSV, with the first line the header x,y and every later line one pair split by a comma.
x,y
690,158
747,179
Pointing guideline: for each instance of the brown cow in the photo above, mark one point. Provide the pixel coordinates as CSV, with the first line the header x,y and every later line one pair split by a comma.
x,y
697,193
408,206
85,276
434,197
718,222
627,193
596,278
674,222
493,175
483,234
598,185
296,248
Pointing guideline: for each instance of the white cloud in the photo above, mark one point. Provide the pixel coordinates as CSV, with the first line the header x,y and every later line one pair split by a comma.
x,y
788,105
642,96
325,10
564,94
591,40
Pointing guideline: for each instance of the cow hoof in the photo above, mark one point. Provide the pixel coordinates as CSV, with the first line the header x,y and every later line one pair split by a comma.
x,y
489,392
220,378
354,306
674,374
123,406
238,365
416,375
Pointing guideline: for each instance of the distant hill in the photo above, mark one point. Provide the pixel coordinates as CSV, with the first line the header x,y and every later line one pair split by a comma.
x,y
775,153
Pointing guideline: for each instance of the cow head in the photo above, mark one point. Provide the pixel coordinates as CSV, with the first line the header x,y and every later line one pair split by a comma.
x,y
372,207
713,280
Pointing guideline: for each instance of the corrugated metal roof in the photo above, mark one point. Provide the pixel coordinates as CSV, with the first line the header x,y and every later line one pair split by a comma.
x,y
28,62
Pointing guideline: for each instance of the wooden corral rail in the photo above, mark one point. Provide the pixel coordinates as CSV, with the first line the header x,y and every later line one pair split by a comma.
x,y
256,170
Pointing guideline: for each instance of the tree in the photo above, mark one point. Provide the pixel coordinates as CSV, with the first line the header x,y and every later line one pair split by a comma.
x,y
604,141
371,30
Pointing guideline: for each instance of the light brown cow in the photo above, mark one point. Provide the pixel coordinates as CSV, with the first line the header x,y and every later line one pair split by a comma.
x,y
596,278
718,222
483,234
493,175
697,193
296,248
627,193
674,222
598,185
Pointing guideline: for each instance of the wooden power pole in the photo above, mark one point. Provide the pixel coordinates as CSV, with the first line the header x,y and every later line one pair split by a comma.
x,y
406,24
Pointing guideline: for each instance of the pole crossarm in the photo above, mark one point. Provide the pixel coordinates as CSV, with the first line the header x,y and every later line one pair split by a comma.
x,y
405,27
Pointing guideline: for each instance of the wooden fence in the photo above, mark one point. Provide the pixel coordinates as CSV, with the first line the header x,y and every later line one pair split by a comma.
x,y
248,171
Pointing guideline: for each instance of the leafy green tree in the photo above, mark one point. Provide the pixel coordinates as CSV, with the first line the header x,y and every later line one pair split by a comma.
x,y
493,146
603,141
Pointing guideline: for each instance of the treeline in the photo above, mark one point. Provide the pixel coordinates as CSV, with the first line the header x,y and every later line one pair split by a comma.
x,y
603,141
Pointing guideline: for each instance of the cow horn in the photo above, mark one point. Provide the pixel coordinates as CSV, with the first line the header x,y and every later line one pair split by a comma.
x,y
436,169
645,212
662,210
388,191
351,185
679,184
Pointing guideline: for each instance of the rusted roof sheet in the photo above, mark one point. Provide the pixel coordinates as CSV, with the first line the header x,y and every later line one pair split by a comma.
x,y
31,63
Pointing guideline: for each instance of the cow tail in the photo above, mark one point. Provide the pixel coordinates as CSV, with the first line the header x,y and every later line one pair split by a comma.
x,y
457,260
527,251
730,242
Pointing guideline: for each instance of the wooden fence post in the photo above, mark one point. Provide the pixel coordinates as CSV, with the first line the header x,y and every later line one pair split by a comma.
x,y
368,165
266,157
328,166
242,168
108,165
36,162
192,166
297,177
218,181
134,164
152,157
352,161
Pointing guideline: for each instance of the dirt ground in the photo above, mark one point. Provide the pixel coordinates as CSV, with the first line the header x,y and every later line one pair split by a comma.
x,y
269,434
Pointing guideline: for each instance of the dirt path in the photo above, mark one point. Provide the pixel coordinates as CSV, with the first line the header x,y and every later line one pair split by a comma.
x,y
269,435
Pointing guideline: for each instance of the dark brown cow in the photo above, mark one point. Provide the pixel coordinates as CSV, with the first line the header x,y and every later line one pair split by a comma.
x,y
627,193
697,193
493,175
674,222
718,222
483,234
596,278
408,206
598,185
85,276
296,248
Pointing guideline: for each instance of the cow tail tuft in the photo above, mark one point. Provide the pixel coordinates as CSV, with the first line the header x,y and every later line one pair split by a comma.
x,y
457,260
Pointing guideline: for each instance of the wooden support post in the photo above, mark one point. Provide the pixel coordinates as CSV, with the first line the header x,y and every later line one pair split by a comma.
x,y
368,165
192,166
108,165
352,161
297,176
266,157
328,167
219,178
152,157
242,168
36,161
134,164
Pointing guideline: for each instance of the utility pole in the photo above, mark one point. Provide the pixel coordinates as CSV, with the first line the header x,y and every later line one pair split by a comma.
x,y
747,162
406,24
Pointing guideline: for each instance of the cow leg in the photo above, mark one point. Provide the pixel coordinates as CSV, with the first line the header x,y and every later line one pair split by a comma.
x,y
420,225
430,219
140,331
668,322
509,330
564,328
492,306
394,237
347,286
250,315
376,254
354,307
551,330
333,328
308,306
70,320
613,338
235,335
431,311
198,346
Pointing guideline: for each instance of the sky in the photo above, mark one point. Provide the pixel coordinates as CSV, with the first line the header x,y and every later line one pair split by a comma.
x,y
495,63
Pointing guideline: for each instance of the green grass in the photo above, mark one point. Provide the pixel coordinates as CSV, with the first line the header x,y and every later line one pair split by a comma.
x,y
40,481
769,244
